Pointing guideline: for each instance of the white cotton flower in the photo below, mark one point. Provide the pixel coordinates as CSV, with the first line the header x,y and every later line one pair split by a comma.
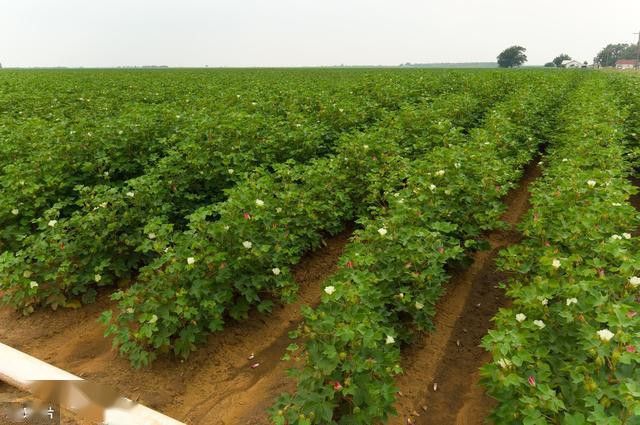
x,y
153,319
626,235
634,281
191,260
555,263
616,237
544,301
97,278
15,211
419,305
130,194
230,171
389,340
365,147
226,227
275,271
33,284
278,210
330,290
152,236
520,317
616,204
52,223
457,165
572,301
341,110
539,323
432,187
605,335
401,295
591,183
130,310
382,231
106,174
103,205
260,202
247,244
440,173
564,159
504,363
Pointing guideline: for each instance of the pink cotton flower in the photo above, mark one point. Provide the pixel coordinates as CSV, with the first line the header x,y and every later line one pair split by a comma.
x,y
532,381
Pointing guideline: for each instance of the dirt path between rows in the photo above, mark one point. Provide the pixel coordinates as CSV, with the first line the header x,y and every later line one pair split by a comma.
x,y
216,385
450,356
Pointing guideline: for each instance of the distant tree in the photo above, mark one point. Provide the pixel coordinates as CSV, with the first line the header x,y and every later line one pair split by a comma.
x,y
549,65
560,58
613,52
512,56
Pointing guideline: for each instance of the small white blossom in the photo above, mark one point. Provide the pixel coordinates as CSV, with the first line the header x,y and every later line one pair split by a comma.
x,y
230,171
634,281
419,305
616,204
52,223
153,319
539,323
97,278
555,263
103,205
389,340
365,147
227,227
260,202
191,260
33,284
330,290
130,194
152,236
457,165
572,301
591,183
278,210
15,211
544,301
432,187
605,335
276,271
401,295
626,235
382,231
616,237
130,310
247,244
504,363
520,317
440,173
564,159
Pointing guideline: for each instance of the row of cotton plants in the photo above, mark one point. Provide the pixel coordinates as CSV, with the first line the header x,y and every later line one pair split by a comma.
x,y
393,272
567,350
239,254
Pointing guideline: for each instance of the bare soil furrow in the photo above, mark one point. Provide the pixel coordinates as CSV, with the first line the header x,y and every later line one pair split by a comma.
x,y
440,383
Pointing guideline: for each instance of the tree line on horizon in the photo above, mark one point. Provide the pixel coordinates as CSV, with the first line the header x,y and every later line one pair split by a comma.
x,y
515,56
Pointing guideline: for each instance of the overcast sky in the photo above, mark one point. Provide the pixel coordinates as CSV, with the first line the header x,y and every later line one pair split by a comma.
x,y
305,32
